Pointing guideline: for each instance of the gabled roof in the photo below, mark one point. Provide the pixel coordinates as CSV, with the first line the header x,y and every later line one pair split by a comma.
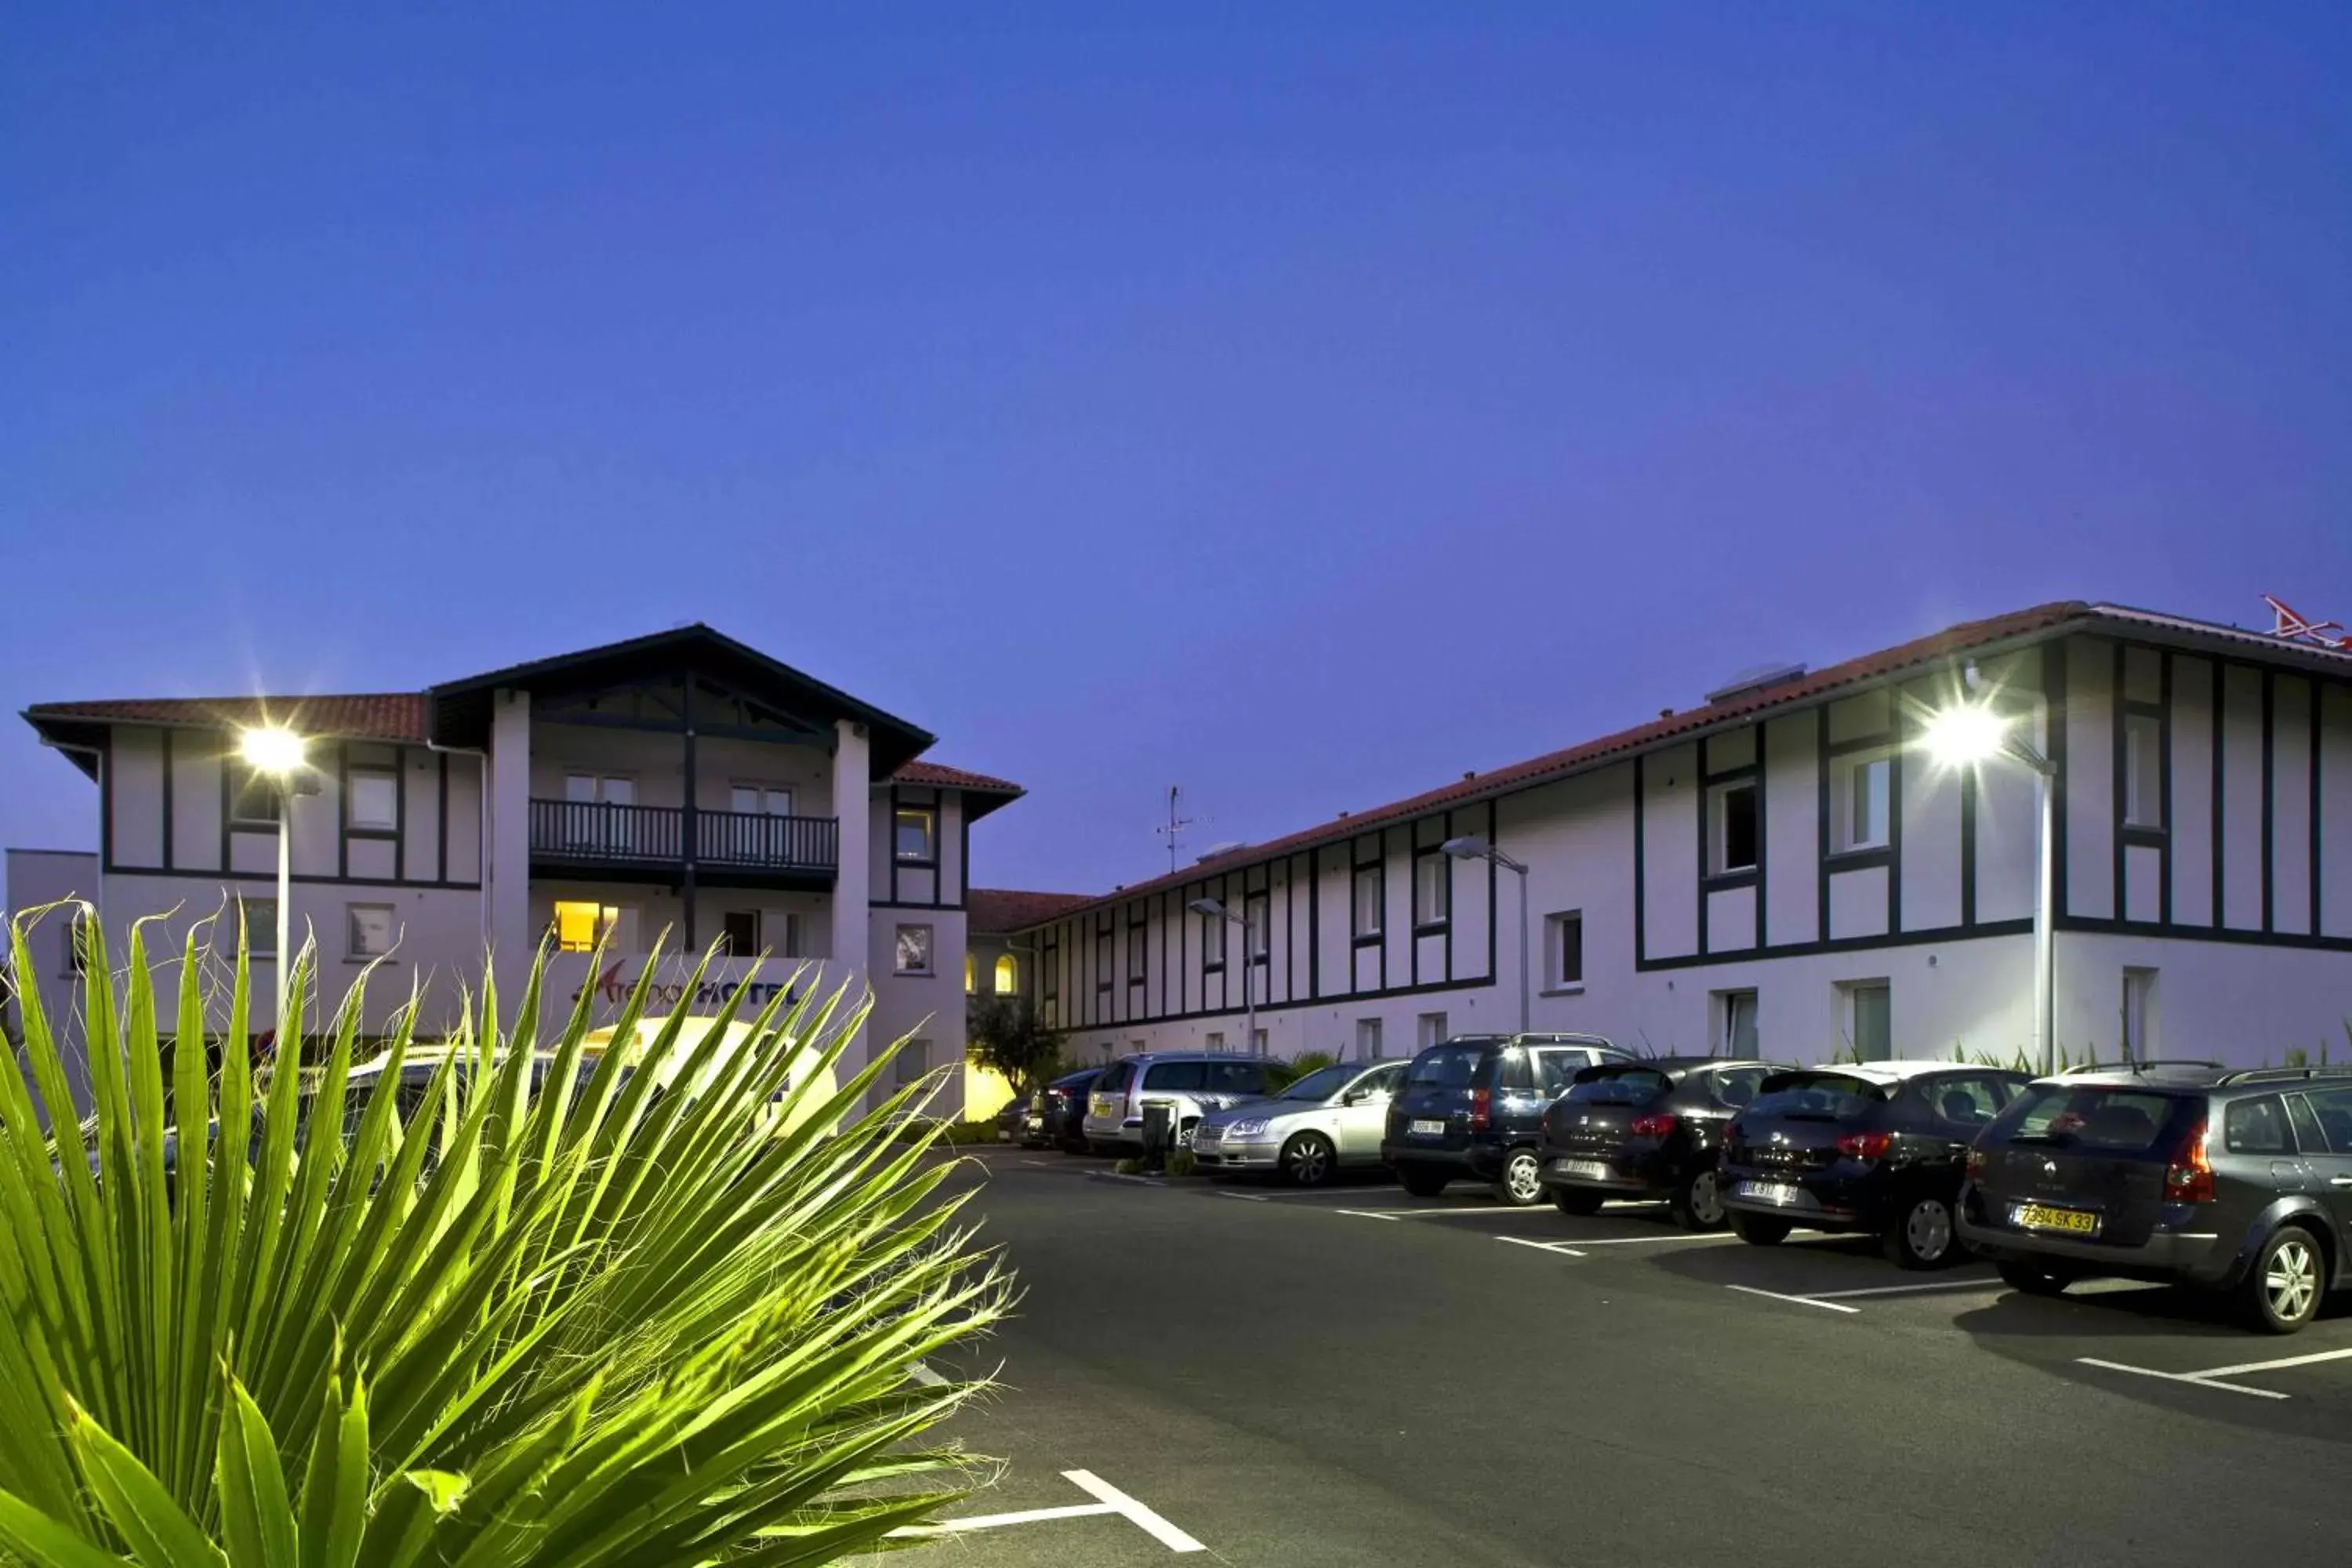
x,y
364,716
993,911
458,711
982,793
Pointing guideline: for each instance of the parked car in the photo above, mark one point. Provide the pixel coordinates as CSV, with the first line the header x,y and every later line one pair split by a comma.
x,y
1014,1119
1473,1107
1063,1113
1193,1082
1876,1147
1307,1133
1647,1129
2187,1173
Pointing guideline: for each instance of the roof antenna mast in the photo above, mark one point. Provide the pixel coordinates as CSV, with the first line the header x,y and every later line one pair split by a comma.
x,y
1174,828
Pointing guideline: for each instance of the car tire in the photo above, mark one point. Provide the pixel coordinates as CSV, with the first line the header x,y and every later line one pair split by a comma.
x,y
1421,1180
1308,1160
1922,1235
2035,1279
1759,1229
2287,1282
1697,1202
1578,1201
1521,1182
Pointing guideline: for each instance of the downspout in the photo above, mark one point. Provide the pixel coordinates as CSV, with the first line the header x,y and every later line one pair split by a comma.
x,y
485,821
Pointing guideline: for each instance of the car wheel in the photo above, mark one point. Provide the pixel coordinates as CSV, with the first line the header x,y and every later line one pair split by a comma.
x,y
1309,1160
1921,1236
2289,1275
1521,1182
2035,1279
1760,1230
1576,1200
1697,1204
1421,1181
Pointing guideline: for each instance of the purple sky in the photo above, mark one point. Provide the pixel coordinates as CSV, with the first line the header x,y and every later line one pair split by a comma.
x,y
1303,412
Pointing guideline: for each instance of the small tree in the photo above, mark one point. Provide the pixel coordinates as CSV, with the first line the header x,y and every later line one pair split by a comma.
x,y
1007,1037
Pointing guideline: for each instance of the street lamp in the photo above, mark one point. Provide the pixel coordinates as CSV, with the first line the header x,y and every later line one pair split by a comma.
x,y
1968,734
276,754
1474,847
1217,912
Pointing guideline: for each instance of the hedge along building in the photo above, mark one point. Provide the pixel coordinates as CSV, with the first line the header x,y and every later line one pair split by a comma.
x,y
680,783
1783,869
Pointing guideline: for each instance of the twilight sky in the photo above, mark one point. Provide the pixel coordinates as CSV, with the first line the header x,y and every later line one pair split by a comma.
x,y
1303,403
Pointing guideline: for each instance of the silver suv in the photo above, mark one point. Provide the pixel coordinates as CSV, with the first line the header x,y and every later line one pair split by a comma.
x,y
1193,1083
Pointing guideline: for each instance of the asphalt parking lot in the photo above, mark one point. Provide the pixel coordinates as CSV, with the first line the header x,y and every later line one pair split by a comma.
x,y
1254,1375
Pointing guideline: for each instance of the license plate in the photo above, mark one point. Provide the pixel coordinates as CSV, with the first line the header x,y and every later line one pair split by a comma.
x,y
1766,1191
1596,1169
1427,1129
2042,1216
1209,1135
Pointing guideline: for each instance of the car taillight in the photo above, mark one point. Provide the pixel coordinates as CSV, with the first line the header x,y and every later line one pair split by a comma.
x,y
2189,1178
1656,1126
1976,1164
1730,1132
1866,1145
1482,1109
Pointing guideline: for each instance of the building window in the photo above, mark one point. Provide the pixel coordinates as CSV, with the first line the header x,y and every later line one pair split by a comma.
x,y
1863,806
1869,1020
1735,1023
914,950
581,923
1368,901
1367,1039
1433,888
1564,949
1257,1043
1731,828
2139,1015
1213,940
255,799
1214,1041
913,839
1008,976
1137,938
1253,914
739,933
373,803
1053,1012
971,974
2142,770
367,930
760,800
1429,1029
588,824
913,1060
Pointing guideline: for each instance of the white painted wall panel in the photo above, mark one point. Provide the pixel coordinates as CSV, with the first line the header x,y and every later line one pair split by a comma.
x,y
2336,811
2241,798
2191,827
196,802
1930,803
2143,883
465,819
2089,778
1731,920
134,781
2291,795
1858,903
1792,846
1670,852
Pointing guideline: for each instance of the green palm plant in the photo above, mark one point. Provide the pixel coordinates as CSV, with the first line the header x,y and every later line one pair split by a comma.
x,y
553,1316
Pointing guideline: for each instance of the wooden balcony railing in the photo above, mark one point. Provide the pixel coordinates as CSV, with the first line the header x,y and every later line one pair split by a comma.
x,y
595,833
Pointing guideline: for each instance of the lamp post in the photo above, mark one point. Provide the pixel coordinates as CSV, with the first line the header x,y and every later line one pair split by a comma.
x,y
1474,847
1217,912
1967,734
277,754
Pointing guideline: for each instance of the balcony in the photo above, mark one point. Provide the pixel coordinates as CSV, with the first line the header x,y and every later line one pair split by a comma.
x,y
650,843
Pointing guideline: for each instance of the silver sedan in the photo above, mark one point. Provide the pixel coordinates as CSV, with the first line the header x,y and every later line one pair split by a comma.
x,y
1330,1119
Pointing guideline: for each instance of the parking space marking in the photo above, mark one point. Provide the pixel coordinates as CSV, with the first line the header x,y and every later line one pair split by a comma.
x,y
1923,1287
1368,1213
1122,1176
2190,1378
1799,1300
1249,1197
2244,1367
923,1373
1108,1499
1563,1248
1640,1240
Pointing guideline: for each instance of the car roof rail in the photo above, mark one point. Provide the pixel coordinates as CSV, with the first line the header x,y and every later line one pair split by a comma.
x,y
2157,1064
2285,1075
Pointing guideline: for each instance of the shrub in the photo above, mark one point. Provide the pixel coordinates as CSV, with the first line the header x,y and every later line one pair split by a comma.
x,y
1311,1061
1131,1166
1183,1162
548,1317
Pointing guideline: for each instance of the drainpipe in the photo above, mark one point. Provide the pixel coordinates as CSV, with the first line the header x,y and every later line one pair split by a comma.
x,y
484,821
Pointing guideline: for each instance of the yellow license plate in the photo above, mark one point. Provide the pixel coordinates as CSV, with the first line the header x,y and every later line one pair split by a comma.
x,y
2040,1216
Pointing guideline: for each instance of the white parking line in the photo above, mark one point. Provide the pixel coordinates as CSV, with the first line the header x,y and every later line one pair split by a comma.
x,y
1368,1213
2191,1379
1122,1176
2244,1367
1910,1289
1639,1240
1108,1499
1799,1300
1563,1248
1143,1519
1249,1197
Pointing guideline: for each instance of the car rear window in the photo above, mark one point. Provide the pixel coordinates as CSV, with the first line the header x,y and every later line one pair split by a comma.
x,y
1446,1066
1174,1076
1735,1087
2122,1121
1816,1097
1115,1077
1619,1086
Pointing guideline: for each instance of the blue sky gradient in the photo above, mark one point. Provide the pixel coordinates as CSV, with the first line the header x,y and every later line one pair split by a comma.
x,y
1300,403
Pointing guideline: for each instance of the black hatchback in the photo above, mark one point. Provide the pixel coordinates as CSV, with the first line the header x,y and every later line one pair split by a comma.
x,y
1061,1111
1474,1105
1647,1129
1879,1148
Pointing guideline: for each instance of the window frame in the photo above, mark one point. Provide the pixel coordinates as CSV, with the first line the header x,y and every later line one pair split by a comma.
x,y
727,936
353,777
353,949
1138,953
930,853
1374,875
604,924
1433,875
1726,1005
1850,1000
1877,761
1005,976
1557,981
1718,826
791,798
246,783
2142,742
930,966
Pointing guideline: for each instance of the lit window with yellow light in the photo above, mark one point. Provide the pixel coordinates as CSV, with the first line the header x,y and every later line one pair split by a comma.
x,y
971,975
579,922
1008,976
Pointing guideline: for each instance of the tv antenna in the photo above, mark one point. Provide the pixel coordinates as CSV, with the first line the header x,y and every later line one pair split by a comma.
x,y
1174,828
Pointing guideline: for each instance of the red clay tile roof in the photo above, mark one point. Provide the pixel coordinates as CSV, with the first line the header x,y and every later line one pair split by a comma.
x,y
1968,635
997,909
371,716
953,778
